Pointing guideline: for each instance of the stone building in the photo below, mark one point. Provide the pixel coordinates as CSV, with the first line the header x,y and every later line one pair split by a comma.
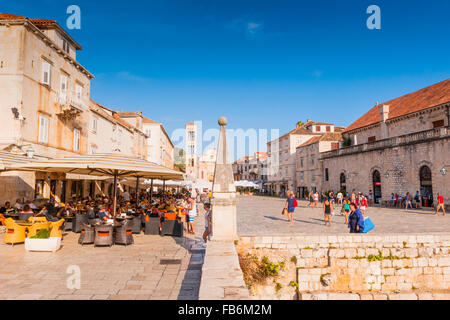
x,y
109,134
160,149
251,168
399,146
44,99
207,164
310,175
47,111
282,154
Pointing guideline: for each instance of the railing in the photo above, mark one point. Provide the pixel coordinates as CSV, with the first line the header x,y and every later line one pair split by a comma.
x,y
411,138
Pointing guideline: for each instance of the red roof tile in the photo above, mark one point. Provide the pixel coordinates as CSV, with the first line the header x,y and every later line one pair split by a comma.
x,y
428,97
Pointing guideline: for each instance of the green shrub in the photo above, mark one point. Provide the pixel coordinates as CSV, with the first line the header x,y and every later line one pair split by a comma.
x,y
41,234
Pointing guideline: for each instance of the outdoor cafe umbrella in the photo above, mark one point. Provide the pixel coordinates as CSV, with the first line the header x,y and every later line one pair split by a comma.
x,y
106,164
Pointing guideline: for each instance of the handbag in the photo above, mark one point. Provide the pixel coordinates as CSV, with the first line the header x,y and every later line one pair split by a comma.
x,y
368,225
295,203
284,212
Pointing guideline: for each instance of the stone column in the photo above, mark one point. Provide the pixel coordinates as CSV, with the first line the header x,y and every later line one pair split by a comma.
x,y
224,192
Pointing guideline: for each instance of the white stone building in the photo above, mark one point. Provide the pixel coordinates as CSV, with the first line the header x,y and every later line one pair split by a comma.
x,y
159,146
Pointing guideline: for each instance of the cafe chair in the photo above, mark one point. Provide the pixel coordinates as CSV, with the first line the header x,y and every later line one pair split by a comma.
x,y
123,234
151,225
37,219
78,220
14,233
25,216
94,221
35,228
56,228
171,225
103,235
137,224
87,234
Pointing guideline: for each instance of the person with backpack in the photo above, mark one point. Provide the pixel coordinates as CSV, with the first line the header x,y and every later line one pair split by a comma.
x,y
290,205
355,219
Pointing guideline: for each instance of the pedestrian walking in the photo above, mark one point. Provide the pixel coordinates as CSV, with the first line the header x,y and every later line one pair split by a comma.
x,y
327,209
346,209
355,219
363,204
290,205
316,199
339,198
408,201
208,221
440,204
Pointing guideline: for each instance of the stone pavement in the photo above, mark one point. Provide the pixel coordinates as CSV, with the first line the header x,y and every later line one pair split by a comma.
x,y
133,272
262,216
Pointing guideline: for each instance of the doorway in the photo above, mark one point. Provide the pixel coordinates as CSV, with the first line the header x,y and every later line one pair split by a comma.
x,y
426,186
342,183
376,180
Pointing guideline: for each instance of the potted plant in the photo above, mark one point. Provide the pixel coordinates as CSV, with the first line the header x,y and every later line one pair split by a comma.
x,y
42,242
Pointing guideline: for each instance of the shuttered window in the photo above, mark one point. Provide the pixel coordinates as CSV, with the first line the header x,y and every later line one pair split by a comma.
x,y
63,90
76,140
43,129
46,73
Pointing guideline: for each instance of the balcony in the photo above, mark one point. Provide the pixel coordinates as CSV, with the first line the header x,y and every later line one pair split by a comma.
x,y
407,139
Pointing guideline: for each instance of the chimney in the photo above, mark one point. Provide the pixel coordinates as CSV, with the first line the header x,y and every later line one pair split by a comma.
x,y
384,115
384,112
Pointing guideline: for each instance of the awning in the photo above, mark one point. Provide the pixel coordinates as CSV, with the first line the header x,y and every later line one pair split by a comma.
x,y
102,165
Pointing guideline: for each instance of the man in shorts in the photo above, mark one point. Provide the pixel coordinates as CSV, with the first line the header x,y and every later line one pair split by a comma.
x,y
440,204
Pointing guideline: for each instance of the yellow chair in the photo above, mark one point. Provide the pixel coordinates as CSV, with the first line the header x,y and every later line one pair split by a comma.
x,y
34,229
14,232
37,219
56,229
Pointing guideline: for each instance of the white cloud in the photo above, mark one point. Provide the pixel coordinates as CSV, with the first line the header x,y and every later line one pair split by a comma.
x,y
249,27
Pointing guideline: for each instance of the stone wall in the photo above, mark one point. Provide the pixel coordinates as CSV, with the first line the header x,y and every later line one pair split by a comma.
x,y
354,266
402,163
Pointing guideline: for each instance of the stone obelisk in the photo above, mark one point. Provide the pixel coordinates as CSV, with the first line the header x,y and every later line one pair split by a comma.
x,y
224,192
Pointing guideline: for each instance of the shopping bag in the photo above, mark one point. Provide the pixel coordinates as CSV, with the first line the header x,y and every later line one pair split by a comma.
x,y
284,212
368,225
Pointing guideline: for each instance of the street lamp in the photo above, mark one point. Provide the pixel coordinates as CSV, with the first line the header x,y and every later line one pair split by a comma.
x,y
386,174
30,152
443,171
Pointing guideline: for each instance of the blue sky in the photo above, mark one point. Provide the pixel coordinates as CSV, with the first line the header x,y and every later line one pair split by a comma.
x,y
263,64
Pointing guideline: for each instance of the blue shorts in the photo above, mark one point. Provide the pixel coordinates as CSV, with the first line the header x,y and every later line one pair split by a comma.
x,y
291,209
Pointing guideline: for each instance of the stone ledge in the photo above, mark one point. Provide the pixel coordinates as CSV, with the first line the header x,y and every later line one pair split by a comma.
x,y
221,273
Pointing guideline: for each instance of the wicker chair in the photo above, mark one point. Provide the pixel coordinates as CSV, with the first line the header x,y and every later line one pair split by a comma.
x,y
87,235
123,234
137,224
68,225
152,226
25,216
56,228
93,222
172,227
104,235
78,220
35,228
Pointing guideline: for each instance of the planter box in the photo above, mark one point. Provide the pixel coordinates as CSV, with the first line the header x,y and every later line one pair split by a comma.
x,y
51,244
